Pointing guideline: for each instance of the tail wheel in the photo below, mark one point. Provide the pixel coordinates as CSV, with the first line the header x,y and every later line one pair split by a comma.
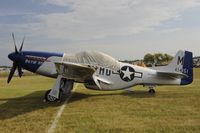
x,y
49,98
152,91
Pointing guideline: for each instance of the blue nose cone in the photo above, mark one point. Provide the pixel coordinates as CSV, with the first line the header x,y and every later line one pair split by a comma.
x,y
12,56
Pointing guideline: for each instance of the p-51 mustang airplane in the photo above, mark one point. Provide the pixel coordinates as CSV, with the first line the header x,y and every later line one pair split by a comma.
x,y
98,71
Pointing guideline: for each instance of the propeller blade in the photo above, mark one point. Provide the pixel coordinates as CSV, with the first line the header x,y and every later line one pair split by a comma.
x,y
22,45
16,51
19,68
12,72
15,63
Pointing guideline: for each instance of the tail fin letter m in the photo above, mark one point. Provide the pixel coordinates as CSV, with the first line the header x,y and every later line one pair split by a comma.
x,y
180,60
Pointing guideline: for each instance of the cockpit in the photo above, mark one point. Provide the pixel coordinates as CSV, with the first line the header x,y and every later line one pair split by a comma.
x,y
93,58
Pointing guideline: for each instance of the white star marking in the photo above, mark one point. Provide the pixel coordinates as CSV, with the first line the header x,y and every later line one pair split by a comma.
x,y
127,73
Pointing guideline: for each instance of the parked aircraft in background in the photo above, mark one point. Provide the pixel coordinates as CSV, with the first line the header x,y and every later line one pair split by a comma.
x,y
98,71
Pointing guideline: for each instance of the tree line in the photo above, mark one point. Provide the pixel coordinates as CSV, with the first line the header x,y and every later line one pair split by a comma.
x,y
157,59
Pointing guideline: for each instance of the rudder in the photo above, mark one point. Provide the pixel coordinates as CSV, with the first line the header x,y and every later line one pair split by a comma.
x,y
187,68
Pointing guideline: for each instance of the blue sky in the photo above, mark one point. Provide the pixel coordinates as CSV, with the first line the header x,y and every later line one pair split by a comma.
x,y
124,29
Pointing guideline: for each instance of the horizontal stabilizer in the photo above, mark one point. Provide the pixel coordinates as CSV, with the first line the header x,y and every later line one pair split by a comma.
x,y
171,74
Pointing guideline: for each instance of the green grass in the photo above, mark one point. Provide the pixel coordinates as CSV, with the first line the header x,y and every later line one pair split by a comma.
x,y
21,104
171,109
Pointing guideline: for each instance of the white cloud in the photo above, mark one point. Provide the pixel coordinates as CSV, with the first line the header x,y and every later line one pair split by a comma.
x,y
55,2
106,25
169,30
91,19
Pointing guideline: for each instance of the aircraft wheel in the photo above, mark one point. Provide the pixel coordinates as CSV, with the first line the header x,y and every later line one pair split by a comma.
x,y
152,91
48,98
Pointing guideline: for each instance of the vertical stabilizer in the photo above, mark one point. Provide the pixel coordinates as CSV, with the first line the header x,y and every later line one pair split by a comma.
x,y
182,63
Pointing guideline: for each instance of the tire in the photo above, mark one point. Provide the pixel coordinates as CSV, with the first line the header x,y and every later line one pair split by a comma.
x,y
152,91
48,98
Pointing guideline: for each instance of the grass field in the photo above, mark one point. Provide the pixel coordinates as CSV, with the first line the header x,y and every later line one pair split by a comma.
x,y
171,109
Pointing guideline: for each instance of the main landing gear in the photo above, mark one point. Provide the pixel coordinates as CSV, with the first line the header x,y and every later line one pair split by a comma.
x,y
62,88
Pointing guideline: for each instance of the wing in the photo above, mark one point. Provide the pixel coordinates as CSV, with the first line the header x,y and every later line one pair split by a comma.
x,y
79,73
74,71
172,74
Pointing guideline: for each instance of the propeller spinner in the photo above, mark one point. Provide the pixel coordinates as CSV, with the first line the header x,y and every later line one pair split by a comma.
x,y
16,64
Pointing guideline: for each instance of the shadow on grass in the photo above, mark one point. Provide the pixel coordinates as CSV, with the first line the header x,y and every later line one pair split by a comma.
x,y
13,107
133,94
16,106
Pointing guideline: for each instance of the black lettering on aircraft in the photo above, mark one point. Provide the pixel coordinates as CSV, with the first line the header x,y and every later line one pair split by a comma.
x,y
101,70
106,71
114,72
180,60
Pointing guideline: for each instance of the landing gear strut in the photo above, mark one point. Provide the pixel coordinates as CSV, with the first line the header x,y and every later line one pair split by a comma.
x,y
62,88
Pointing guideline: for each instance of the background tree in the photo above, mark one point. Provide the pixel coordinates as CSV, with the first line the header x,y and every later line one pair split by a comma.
x,y
149,59
157,59
167,58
